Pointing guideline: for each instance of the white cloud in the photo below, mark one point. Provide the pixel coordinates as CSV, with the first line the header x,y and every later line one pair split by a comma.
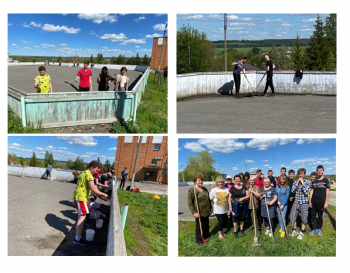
x,y
114,137
159,26
307,29
311,140
266,166
139,19
309,20
64,148
26,42
63,44
111,149
36,46
35,24
47,45
53,28
84,156
307,160
26,47
222,145
14,44
235,169
248,161
134,41
253,169
241,24
48,148
279,35
155,35
266,160
92,33
262,143
25,25
192,17
284,141
9,24
114,37
286,25
137,46
274,20
98,18
16,144
194,146
87,141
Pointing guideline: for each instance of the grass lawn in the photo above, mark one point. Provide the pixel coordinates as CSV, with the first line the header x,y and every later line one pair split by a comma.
x,y
152,112
146,227
308,246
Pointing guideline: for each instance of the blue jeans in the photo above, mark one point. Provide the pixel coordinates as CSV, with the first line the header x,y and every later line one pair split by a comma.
x,y
280,216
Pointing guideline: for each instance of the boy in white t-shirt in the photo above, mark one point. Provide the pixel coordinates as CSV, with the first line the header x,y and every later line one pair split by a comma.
x,y
219,196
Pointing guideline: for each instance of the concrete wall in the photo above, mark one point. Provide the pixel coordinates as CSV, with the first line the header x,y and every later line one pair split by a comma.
x,y
61,175
285,82
115,241
77,108
140,68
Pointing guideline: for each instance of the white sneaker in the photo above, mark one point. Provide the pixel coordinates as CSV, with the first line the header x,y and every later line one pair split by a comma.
x,y
295,232
301,235
270,233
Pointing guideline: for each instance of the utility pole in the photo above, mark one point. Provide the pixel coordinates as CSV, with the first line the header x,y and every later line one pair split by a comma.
x,y
183,178
136,160
225,28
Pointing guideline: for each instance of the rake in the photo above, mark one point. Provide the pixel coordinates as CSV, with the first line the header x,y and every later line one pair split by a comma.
x,y
199,220
256,242
268,214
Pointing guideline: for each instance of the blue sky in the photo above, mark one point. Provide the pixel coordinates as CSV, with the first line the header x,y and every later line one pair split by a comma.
x,y
86,34
64,147
232,154
251,26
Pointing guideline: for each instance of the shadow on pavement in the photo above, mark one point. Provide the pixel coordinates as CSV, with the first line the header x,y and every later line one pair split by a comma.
x,y
66,248
67,203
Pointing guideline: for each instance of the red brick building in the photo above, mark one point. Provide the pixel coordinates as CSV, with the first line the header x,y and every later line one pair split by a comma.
x,y
156,50
153,158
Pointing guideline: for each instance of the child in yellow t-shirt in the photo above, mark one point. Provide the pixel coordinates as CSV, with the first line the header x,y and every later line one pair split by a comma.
x,y
42,82
85,186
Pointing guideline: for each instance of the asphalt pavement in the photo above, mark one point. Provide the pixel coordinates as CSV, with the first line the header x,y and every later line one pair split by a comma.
x,y
42,218
219,114
185,214
62,77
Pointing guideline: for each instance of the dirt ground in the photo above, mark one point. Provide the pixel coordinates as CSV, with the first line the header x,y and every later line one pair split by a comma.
x,y
103,128
62,78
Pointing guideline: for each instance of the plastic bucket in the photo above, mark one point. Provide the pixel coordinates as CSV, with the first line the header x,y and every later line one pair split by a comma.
x,y
90,233
99,223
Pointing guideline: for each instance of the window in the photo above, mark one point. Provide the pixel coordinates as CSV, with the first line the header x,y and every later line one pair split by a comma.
x,y
128,139
160,41
157,139
156,147
154,162
165,170
144,139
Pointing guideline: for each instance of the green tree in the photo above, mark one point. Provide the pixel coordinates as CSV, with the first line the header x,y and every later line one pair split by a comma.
x,y
145,60
107,165
297,56
46,158
331,32
79,164
60,59
201,164
194,52
121,59
138,60
91,59
33,160
319,50
256,50
113,60
40,164
131,60
69,164
51,160
22,162
99,58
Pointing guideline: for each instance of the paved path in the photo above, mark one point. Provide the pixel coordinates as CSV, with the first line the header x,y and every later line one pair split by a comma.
x,y
63,78
279,114
186,215
42,218
149,187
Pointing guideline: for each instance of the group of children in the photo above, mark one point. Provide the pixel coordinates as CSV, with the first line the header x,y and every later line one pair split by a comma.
x,y
43,84
90,185
256,199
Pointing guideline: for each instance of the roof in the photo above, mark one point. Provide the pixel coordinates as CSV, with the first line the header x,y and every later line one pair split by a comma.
x,y
251,67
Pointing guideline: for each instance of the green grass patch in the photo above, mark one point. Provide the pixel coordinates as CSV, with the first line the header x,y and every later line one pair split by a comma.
x,y
152,112
14,125
308,246
146,228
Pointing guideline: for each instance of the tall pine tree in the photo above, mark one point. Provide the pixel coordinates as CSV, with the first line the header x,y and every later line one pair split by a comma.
x,y
319,51
297,56
33,161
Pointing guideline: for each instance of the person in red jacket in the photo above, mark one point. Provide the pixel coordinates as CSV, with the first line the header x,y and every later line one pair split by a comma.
x,y
84,75
259,181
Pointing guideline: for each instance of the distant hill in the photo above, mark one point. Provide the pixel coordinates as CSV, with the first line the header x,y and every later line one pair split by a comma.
x,y
259,43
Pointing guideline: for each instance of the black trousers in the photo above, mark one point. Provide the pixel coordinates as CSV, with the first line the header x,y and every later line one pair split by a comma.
x,y
84,89
289,209
317,208
222,220
122,184
237,80
269,82
205,229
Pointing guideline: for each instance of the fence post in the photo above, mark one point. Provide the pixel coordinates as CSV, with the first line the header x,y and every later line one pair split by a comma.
x,y
135,107
24,117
